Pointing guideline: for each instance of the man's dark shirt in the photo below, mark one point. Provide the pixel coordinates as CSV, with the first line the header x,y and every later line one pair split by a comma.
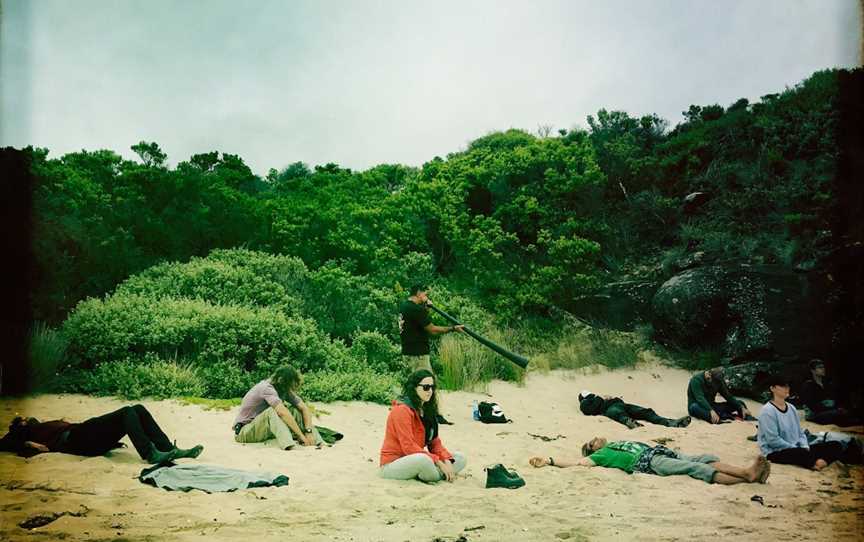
x,y
703,392
812,395
413,319
46,433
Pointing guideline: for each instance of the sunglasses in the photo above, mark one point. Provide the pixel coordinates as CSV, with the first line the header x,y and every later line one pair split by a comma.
x,y
426,387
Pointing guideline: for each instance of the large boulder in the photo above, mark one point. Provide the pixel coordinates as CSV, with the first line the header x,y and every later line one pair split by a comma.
x,y
747,312
749,379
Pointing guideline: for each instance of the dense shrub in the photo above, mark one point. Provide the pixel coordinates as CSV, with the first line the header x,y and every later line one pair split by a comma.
x,y
359,386
47,352
129,326
217,282
149,377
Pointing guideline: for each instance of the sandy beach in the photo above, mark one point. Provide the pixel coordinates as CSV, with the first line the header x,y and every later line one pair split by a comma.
x,y
335,493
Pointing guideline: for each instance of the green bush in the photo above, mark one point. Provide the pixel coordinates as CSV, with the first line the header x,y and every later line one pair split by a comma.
x,y
136,379
376,352
217,282
129,326
47,352
467,364
359,386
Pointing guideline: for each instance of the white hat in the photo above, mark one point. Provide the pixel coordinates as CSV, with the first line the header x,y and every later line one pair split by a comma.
x,y
583,394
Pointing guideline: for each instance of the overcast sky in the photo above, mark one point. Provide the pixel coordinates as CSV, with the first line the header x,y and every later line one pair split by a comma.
x,y
361,83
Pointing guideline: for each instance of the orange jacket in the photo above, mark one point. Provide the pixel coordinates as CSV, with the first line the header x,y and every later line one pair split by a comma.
x,y
405,435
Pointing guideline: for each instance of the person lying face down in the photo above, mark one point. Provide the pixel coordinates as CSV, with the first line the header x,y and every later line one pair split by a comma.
x,y
412,447
627,414
95,436
631,456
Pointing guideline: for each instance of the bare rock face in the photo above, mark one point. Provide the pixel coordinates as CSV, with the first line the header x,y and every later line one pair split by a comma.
x,y
748,312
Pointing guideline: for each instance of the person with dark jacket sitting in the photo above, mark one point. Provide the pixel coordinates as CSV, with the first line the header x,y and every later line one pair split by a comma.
x,y
96,436
820,399
625,413
702,392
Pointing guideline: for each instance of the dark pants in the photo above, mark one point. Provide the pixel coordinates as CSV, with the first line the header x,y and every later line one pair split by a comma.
x,y
828,451
99,435
622,412
726,411
839,416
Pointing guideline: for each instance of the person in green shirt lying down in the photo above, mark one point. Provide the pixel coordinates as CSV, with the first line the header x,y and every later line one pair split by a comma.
x,y
631,456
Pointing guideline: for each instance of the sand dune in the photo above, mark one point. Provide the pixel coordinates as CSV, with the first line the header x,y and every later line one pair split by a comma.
x,y
335,493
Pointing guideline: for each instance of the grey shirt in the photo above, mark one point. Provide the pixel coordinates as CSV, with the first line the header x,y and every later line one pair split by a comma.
x,y
258,399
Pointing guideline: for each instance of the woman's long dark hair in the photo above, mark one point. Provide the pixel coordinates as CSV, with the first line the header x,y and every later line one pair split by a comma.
x,y
429,409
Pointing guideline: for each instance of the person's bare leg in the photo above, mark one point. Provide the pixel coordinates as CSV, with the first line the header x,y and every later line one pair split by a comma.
x,y
748,474
727,479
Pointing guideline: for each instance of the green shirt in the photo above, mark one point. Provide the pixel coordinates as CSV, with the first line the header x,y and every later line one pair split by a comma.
x,y
621,454
413,319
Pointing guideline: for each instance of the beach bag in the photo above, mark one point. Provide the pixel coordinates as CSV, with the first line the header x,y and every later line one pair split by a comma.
x,y
491,413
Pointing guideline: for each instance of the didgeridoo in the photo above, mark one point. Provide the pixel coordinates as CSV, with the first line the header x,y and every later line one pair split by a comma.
x,y
515,358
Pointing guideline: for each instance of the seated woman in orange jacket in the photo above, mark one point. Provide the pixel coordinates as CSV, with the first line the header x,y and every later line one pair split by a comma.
x,y
412,448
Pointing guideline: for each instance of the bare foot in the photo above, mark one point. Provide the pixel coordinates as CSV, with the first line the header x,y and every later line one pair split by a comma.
x,y
820,464
764,469
753,471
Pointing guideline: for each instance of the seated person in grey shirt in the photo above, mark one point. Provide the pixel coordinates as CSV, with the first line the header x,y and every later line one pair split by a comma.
x,y
264,414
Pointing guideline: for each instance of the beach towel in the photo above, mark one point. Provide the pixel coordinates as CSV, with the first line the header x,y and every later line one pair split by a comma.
x,y
207,478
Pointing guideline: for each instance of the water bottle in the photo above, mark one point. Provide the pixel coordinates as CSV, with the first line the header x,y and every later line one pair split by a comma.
x,y
476,413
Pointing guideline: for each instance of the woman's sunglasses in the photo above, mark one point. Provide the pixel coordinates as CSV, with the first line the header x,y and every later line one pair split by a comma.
x,y
426,387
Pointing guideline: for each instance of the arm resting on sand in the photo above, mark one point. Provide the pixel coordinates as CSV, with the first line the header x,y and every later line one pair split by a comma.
x,y
560,462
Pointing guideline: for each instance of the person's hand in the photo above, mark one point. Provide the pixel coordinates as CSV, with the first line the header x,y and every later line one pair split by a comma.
x,y
447,468
308,439
715,418
744,412
539,462
460,328
36,446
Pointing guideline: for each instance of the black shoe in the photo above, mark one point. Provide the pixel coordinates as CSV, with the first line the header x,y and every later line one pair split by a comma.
x,y
442,420
498,476
682,422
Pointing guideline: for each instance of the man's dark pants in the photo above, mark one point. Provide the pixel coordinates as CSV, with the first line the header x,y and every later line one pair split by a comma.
x,y
99,435
726,411
621,412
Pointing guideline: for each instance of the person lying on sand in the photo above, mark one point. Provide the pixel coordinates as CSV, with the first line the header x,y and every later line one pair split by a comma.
x,y
780,436
263,414
412,447
615,408
96,436
702,391
631,457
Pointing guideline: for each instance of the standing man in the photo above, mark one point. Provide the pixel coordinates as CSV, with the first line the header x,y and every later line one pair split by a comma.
x,y
415,327
702,392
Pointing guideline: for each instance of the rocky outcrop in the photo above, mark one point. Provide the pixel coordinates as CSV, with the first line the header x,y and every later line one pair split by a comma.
x,y
748,312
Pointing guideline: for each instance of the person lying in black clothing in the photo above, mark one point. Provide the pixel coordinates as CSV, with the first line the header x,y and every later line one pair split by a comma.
x,y
96,436
615,408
